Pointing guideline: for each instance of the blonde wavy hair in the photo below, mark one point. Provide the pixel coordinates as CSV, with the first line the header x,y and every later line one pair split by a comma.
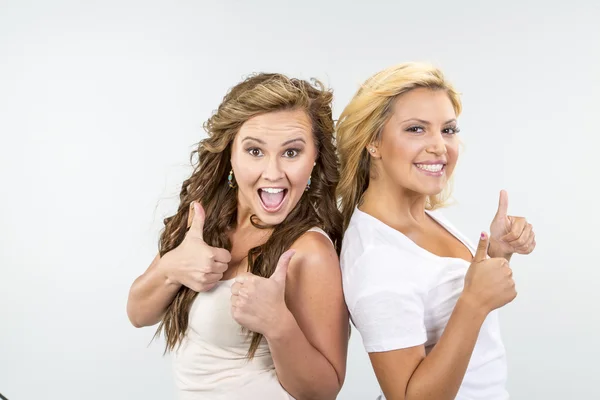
x,y
362,122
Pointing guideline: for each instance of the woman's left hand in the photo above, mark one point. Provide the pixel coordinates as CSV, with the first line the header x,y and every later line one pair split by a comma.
x,y
508,234
257,303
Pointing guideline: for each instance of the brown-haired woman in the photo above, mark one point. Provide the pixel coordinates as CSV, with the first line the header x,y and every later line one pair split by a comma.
x,y
247,285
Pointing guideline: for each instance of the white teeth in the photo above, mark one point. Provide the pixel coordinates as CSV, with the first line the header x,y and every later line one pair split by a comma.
x,y
430,167
272,190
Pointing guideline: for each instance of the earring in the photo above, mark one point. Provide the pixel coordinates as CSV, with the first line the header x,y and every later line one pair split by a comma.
x,y
230,180
309,178
372,150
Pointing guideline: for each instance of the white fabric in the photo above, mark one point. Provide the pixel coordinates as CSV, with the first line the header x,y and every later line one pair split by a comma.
x,y
321,231
211,362
400,295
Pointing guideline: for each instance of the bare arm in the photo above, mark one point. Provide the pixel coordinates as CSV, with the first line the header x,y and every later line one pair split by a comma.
x,y
193,264
309,350
408,374
150,295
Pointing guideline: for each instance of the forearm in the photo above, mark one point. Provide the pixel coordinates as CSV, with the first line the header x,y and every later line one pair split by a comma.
x,y
149,297
440,374
303,371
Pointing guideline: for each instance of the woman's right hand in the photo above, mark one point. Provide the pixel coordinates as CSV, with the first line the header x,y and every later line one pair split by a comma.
x,y
488,283
194,263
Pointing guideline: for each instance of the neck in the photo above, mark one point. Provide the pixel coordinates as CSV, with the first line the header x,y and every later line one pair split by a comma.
x,y
245,234
243,216
244,212
393,205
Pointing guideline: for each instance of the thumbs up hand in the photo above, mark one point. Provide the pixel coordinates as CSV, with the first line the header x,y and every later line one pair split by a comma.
x,y
488,283
194,263
508,234
257,303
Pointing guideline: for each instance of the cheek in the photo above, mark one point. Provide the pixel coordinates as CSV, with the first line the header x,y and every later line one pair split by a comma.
x,y
453,150
452,157
404,151
298,174
299,170
245,173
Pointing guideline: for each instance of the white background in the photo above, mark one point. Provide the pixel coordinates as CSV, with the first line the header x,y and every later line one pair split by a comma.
x,y
101,102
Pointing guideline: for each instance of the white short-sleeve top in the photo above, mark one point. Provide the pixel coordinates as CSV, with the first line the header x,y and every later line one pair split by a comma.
x,y
400,295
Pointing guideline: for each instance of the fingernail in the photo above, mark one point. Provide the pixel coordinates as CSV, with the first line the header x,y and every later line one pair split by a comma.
x,y
482,235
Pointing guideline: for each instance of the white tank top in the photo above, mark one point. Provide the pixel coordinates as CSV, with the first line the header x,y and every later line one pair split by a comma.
x,y
211,362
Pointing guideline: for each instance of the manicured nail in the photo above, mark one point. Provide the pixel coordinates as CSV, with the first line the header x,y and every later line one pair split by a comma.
x,y
482,235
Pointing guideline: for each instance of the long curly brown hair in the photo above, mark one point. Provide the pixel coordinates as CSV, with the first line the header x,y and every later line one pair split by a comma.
x,y
258,94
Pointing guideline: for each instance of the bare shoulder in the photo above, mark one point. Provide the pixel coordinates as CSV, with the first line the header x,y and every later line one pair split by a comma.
x,y
315,254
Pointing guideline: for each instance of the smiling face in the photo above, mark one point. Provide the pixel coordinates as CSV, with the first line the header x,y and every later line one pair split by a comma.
x,y
418,147
272,157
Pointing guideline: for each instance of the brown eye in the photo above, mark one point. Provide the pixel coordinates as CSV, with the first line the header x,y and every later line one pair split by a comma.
x,y
415,129
451,130
291,153
254,152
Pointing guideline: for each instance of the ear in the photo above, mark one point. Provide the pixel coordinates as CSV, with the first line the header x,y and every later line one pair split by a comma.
x,y
373,150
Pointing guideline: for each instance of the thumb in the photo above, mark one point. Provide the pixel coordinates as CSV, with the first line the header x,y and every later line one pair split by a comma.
x,y
502,205
282,267
196,220
482,248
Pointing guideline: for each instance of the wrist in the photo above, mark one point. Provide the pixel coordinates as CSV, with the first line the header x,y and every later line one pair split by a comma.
x,y
468,304
506,256
282,326
166,272
493,253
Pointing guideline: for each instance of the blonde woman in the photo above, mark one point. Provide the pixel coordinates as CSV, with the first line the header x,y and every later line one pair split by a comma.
x,y
422,296
247,285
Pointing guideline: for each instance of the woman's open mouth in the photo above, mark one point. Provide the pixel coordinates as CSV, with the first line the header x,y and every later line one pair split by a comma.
x,y
272,198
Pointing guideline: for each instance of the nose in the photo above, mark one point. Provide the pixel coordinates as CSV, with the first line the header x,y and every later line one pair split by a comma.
x,y
437,144
273,171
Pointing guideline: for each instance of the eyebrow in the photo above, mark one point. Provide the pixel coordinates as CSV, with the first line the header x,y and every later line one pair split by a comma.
x,y
283,144
422,121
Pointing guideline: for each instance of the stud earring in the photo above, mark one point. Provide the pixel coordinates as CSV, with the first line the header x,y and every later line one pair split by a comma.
x,y
230,180
372,150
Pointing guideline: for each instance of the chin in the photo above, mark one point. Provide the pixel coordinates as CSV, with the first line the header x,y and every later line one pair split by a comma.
x,y
430,190
270,219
